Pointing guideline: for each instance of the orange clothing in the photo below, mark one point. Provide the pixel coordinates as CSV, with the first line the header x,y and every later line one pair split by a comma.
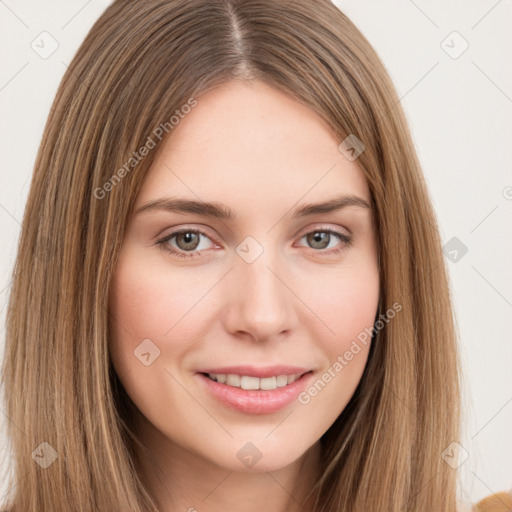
x,y
499,502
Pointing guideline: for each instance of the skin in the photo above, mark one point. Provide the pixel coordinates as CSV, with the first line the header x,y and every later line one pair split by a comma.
x,y
262,154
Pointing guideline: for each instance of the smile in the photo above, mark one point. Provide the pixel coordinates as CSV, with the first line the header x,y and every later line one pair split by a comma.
x,y
255,390
248,382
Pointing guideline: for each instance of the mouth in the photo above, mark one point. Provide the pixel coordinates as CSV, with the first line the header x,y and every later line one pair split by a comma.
x,y
253,394
249,382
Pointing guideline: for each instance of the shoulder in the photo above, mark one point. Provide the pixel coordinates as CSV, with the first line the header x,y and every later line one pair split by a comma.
x,y
499,502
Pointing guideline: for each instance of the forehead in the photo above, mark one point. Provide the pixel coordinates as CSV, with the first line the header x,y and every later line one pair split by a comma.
x,y
246,143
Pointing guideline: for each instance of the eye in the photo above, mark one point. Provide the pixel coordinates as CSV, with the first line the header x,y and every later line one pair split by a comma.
x,y
321,239
185,241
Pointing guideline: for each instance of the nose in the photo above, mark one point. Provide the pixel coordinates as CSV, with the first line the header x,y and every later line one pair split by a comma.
x,y
259,302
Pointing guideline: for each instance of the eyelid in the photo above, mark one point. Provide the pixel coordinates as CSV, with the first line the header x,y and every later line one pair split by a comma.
x,y
324,227
185,229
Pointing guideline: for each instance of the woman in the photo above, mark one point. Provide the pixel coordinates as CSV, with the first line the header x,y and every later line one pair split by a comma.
x,y
230,290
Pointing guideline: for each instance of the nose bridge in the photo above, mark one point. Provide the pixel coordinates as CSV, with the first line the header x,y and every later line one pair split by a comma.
x,y
259,302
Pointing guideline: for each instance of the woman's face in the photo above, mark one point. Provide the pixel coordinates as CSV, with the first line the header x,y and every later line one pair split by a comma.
x,y
274,292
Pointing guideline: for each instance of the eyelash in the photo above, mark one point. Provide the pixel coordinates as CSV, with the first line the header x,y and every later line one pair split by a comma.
x,y
163,242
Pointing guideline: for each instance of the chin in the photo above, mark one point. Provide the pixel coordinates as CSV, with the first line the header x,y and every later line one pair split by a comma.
x,y
262,456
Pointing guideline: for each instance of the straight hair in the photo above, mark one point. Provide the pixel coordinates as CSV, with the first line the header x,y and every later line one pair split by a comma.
x,y
139,65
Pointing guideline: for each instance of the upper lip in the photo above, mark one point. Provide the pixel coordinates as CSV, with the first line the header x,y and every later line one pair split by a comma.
x,y
253,371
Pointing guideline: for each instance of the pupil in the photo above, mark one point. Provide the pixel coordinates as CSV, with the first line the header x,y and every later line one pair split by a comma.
x,y
321,238
188,240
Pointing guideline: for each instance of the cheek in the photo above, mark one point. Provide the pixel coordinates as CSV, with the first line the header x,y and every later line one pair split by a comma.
x,y
141,308
149,334
146,301
345,303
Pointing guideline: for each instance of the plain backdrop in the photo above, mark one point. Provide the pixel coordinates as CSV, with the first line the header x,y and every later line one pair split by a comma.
x,y
451,64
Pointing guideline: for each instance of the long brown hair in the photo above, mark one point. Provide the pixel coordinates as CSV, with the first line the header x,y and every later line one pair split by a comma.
x,y
140,63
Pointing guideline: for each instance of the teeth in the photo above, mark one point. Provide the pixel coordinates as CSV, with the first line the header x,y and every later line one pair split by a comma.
x,y
247,382
233,380
268,383
282,380
292,378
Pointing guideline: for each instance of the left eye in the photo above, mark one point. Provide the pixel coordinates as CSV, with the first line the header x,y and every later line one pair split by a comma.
x,y
179,243
321,239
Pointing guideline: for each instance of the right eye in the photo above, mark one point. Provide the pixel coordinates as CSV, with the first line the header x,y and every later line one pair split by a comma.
x,y
184,243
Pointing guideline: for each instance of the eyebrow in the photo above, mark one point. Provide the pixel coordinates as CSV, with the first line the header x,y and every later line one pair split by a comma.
x,y
220,211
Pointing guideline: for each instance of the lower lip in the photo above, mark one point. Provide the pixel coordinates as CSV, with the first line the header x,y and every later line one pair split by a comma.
x,y
256,401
